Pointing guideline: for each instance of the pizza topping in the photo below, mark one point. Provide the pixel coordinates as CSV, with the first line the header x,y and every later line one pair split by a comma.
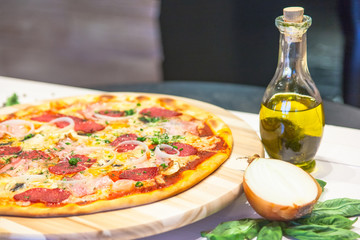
x,y
114,115
72,164
16,128
70,122
170,169
63,122
205,131
17,187
111,113
178,127
123,185
80,185
164,151
156,112
7,150
47,117
184,149
34,155
123,138
43,195
137,174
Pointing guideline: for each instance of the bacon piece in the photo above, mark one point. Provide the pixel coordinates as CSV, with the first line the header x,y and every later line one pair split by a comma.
x,y
159,112
136,174
34,155
64,167
8,150
15,163
184,149
43,195
112,113
123,138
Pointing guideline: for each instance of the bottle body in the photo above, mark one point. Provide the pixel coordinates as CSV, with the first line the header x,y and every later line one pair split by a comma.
x,y
291,114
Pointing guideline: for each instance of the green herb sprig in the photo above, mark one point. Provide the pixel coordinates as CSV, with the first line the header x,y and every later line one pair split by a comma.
x,y
12,100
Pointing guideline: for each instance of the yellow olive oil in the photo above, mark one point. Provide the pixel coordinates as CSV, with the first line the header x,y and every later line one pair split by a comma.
x,y
291,128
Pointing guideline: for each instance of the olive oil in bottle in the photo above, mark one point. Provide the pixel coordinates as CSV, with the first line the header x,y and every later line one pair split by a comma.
x,y
291,127
291,114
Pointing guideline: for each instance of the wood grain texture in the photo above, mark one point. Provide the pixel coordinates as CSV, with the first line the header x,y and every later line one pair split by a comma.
x,y
207,197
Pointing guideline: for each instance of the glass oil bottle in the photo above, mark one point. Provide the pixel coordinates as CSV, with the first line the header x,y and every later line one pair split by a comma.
x,y
291,113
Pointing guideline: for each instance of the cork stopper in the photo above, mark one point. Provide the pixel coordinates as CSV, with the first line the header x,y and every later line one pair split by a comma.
x,y
293,14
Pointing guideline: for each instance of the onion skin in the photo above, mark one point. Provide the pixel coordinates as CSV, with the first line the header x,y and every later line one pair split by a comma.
x,y
272,211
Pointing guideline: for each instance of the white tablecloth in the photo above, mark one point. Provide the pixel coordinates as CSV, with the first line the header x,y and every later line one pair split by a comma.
x,y
338,158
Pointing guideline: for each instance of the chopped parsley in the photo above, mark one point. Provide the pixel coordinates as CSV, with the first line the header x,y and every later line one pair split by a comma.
x,y
139,184
12,100
164,138
141,139
129,112
74,161
163,165
7,161
28,136
147,119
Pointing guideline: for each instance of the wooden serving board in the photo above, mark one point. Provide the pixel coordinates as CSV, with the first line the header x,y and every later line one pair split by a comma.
x,y
207,197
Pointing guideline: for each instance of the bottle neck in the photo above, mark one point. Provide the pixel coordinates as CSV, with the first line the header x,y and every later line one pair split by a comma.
x,y
292,56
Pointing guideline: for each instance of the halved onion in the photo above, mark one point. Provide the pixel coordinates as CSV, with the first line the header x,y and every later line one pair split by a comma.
x,y
65,119
278,190
161,154
14,127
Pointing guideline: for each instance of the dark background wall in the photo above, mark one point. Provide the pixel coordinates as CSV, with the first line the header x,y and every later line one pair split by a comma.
x,y
237,41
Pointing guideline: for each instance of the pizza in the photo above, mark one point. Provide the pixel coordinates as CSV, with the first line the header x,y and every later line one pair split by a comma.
x,y
93,153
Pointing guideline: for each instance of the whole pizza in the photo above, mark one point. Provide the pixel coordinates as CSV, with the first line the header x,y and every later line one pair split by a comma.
x,y
94,153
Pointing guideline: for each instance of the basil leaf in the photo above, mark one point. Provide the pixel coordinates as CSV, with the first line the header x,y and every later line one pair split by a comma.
x,y
272,231
12,100
320,232
341,206
242,229
334,221
321,183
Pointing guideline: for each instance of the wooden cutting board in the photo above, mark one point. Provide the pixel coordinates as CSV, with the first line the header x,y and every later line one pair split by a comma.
x,y
209,196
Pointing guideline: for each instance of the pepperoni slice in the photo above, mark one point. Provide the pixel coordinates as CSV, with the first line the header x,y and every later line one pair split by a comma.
x,y
81,125
8,150
112,113
184,149
159,112
47,117
123,138
87,126
43,195
34,155
136,174
74,164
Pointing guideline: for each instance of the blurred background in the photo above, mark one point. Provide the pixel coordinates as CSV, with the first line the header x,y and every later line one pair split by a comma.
x,y
94,43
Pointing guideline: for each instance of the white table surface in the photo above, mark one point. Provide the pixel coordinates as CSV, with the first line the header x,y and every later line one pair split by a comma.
x,y
338,158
